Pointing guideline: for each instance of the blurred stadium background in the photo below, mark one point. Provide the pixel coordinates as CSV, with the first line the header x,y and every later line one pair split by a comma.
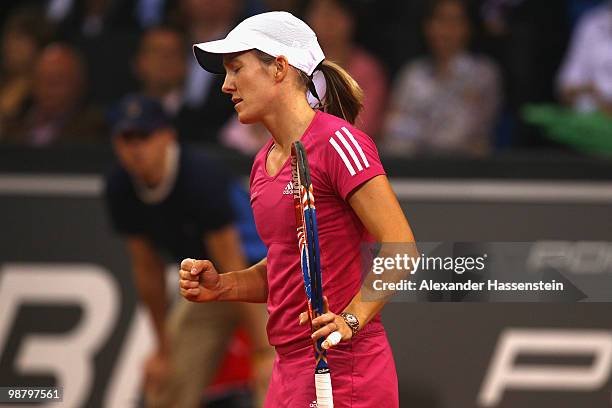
x,y
493,118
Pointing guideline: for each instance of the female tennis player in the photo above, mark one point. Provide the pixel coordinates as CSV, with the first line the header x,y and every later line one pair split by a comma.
x,y
269,61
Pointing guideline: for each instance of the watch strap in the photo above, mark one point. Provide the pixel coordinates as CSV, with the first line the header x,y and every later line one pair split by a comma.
x,y
351,321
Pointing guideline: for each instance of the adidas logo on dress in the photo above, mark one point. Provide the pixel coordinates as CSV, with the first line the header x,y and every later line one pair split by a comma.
x,y
288,189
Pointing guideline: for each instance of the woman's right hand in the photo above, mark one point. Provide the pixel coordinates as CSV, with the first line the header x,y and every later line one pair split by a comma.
x,y
199,281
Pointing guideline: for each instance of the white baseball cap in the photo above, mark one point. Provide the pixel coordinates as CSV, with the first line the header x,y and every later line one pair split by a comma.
x,y
275,33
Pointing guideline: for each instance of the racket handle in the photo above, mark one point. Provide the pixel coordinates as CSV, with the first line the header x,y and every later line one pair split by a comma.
x,y
323,387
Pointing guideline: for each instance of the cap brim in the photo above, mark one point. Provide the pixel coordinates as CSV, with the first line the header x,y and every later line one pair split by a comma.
x,y
147,127
210,54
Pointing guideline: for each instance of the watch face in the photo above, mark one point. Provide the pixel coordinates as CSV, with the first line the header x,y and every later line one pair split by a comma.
x,y
351,318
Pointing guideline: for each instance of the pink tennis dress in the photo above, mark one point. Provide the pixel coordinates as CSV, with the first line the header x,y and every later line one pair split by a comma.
x,y
341,158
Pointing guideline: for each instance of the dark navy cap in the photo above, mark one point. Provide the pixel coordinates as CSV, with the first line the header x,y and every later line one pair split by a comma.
x,y
138,113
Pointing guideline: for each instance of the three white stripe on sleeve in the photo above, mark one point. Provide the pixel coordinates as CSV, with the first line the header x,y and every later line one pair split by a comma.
x,y
350,151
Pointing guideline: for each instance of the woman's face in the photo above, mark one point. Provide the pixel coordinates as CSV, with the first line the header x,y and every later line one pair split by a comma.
x,y
448,30
251,85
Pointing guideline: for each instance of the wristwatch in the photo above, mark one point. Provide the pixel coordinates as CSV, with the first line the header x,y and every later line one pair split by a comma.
x,y
352,321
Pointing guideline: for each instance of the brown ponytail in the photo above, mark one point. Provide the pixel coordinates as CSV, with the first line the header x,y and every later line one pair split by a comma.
x,y
344,96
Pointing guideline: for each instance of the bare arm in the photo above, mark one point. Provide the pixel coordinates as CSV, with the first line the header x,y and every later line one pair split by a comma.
x,y
375,204
251,284
200,282
148,270
377,207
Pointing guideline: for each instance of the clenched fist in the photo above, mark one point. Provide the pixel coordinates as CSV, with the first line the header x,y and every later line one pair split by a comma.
x,y
199,281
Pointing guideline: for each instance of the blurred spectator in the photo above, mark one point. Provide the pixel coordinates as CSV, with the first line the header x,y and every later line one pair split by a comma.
x,y
391,30
247,139
576,8
10,6
90,18
150,13
160,66
166,200
93,16
334,22
106,33
495,14
23,36
527,38
208,109
585,79
58,113
447,102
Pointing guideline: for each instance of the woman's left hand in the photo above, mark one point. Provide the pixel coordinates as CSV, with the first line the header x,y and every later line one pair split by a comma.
x,y
326,324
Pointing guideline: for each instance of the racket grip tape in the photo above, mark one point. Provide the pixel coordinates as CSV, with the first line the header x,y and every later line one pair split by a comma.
x,y
323,388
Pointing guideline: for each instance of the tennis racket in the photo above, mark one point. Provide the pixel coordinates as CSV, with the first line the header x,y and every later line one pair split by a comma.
x,y
308,241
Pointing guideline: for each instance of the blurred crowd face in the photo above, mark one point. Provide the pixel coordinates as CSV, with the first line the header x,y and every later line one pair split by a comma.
x,y
161,61
58,80
97,7
448,29
144,156
18,52
331,22
211,10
